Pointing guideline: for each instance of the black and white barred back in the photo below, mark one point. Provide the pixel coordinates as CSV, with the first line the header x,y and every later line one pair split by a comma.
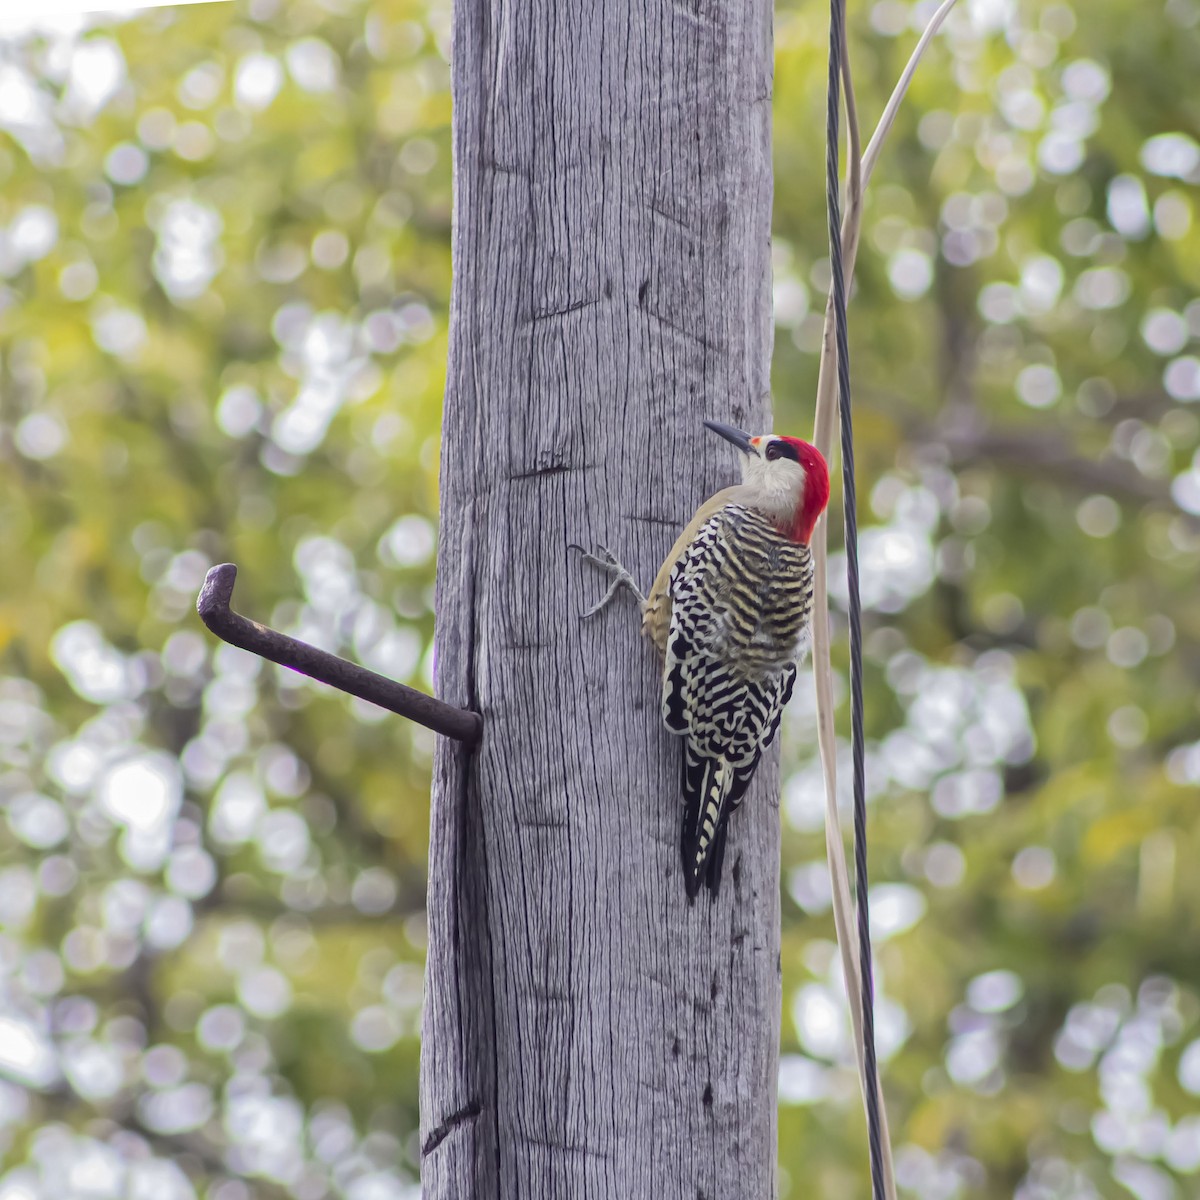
x,y
741,599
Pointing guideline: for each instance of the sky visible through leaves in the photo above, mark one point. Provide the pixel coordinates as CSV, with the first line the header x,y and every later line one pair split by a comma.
x,y
224,277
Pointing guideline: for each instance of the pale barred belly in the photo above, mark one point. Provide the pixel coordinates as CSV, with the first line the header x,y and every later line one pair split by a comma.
x,y
762,598
742,589
761,624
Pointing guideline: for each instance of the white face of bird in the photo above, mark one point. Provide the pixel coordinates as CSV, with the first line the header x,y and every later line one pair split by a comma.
x,y
771,469
785,477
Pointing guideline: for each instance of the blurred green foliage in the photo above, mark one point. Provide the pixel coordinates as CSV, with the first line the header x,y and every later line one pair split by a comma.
x,y
224,273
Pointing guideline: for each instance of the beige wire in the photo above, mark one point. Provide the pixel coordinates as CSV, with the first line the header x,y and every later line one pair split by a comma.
x,y
843,905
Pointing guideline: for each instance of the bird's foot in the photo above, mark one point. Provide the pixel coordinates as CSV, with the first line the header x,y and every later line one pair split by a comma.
x,y
608,562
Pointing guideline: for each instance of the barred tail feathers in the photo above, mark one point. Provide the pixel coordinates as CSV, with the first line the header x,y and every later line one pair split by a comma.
x,y
716,857
706,786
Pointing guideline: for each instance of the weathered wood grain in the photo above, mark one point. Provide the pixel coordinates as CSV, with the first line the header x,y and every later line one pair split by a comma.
x,y
587,1033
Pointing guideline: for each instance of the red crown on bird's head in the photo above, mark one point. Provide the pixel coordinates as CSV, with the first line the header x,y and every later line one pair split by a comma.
x,y
816,487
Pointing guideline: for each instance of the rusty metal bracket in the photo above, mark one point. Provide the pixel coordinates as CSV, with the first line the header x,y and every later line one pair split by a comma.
x,y
213,605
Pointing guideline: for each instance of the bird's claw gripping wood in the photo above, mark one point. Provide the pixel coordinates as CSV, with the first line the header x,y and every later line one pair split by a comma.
x,y
609,563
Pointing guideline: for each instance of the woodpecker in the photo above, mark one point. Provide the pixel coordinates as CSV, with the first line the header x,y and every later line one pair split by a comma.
x,y
729,612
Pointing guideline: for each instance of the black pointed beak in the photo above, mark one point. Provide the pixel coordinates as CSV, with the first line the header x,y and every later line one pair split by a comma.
x,y
731,434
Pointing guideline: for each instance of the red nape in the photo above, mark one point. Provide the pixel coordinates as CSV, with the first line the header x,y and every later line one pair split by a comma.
x,y
816,489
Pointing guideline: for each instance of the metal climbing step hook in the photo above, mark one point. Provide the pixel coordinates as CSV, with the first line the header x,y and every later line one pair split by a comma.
x,y
213,606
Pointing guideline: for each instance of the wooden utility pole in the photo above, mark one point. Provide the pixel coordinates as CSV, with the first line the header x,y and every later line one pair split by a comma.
x,y
588,1034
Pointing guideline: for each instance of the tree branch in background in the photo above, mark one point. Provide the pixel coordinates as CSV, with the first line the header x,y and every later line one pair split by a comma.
x,y
1039,453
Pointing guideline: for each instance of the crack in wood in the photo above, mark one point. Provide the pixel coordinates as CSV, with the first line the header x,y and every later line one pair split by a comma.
x,y
437,1136
650,519
687,334
672,218
548,314
541,472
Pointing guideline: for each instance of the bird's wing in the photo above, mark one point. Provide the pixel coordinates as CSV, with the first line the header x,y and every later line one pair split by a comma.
x,y
722,711
717,769
725,713
769,715
693,671
656,616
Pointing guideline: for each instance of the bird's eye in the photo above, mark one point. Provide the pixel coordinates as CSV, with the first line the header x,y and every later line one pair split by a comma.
x,y
782,449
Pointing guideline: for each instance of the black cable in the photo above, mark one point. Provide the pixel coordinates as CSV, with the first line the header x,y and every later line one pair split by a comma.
x,y
837,20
